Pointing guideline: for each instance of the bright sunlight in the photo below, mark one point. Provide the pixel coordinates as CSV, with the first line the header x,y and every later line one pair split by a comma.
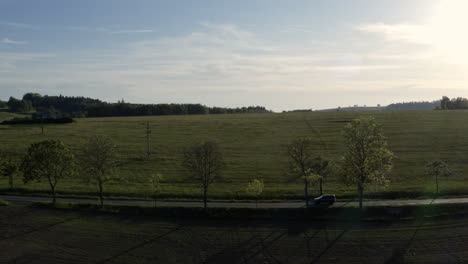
x,y
447,31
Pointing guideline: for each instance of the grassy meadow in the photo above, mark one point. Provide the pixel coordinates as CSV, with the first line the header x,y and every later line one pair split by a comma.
x,y
6,116
254,146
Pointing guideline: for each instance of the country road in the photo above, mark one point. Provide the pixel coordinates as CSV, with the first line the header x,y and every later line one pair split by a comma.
x,y
13,198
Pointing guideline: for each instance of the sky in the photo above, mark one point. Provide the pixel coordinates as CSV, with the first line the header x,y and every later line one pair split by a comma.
x,y
284,55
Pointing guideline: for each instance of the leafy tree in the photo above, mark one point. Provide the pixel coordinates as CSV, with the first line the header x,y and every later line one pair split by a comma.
x,y
3,104
8,169
437,169
204,162
366,158
18,106
49,160
155,181
99,163
321,168
300,153
444,103
255,188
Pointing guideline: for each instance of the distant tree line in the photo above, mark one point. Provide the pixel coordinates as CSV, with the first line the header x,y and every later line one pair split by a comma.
x,y
413,106
28,121
65,104
69,106
126,109
19,106
3,104
454,103
298,111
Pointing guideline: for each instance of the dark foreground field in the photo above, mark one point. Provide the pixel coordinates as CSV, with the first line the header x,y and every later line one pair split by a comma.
x,y
41,235
254,146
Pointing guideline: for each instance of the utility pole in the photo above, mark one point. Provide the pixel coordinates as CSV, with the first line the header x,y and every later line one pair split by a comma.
x,y
42,124
148,132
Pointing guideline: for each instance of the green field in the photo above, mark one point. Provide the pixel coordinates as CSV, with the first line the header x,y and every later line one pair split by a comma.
x,y
254,145
7,116
41,235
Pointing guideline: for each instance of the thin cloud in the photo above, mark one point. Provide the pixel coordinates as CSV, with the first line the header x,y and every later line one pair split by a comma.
x,y
18,25
131,31
413,33
12,42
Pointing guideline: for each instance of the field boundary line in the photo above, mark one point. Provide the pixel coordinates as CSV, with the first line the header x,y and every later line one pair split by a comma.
x,y
264,246
138,245
40,228
330,245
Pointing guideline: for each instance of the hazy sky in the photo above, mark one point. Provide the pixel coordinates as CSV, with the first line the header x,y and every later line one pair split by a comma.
x,y
279,54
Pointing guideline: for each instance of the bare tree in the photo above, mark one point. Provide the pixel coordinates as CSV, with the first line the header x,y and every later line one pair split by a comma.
x,y
8,169
99,162
300,153
321,167
204,162
321,164
437,169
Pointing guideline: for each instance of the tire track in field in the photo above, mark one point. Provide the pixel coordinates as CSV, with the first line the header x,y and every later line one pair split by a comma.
x,y
40,228
330,245
146,242
307,241
264,247
241,249
406,248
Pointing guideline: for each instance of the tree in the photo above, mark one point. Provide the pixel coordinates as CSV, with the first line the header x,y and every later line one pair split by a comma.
x,y
437,169
8,169
3,104
320,167
300,153
99,163
49,160
16,105
204,162
155,181
366,158
255,188
444,103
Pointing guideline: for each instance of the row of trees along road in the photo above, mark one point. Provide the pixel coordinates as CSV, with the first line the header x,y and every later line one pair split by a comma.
x,y
366,160
52,161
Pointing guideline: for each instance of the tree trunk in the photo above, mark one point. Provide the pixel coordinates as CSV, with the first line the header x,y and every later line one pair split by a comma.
x,y
437,184
306,192
10,180
101,197
54,199
205,197
361,194
321,187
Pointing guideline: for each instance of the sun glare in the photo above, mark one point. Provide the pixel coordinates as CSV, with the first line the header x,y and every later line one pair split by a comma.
x,y
448,30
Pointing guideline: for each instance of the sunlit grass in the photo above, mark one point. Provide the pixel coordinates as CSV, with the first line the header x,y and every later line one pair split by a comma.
x,y
254,146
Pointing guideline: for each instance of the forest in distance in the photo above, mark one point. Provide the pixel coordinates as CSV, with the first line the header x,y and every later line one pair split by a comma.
x,y
44,106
